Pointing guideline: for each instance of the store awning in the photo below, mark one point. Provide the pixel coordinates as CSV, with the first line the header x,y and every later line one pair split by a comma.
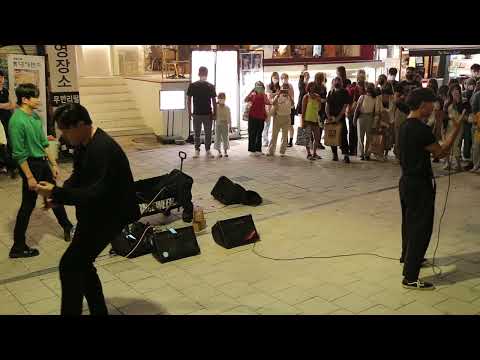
x,y
435,50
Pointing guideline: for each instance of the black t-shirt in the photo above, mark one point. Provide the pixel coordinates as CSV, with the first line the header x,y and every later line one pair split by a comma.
x,y
415,135
4,98
202,93
336,100
408,86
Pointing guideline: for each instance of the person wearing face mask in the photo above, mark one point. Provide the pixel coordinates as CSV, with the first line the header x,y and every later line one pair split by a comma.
x,y
453,107
311,108
302,90
467,126
368,107
6,107
320,93
410,83
355,93
400,112
392,76
417,184
284,78
282,104
272,90
337,102
223,124
204,110
475,104
256,117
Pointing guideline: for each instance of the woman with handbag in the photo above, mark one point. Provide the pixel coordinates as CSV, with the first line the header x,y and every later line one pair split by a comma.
x,y
310,123
282,105
337,102
272,90
256,117
368,108
284,78
386,119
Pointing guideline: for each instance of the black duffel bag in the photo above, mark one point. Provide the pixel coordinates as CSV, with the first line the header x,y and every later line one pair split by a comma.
x,y
229,193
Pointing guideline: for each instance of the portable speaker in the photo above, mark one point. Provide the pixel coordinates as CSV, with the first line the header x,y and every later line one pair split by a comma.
x,y
227,192
235,232
174,244
124,243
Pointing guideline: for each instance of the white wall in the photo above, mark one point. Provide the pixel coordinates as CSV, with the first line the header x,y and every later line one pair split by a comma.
x,y
95,60
147,97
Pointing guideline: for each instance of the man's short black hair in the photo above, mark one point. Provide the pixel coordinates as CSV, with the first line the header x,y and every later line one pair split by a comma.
x,y
411,68
2,74
71,115
203,70
393,71
475,67
26,91
419,96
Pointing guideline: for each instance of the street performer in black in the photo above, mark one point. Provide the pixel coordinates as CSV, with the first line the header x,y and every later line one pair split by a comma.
x,y
102,190
417,184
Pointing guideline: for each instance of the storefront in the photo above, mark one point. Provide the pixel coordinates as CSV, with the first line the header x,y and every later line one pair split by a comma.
x,y
441,62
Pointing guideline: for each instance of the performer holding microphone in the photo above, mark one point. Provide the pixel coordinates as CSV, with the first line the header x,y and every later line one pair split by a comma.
x,y
417,184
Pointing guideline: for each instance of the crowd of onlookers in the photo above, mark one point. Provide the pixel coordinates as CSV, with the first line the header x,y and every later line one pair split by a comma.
x,y
363,109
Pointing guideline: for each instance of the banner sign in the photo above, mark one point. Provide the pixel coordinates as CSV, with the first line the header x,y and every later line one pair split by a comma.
x,y
62,66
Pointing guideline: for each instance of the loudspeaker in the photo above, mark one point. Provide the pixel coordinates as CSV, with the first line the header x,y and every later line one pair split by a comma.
x,y
235,232
227,192
124,243
174,244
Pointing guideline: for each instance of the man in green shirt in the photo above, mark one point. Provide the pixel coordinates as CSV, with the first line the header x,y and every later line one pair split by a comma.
x,y
29,145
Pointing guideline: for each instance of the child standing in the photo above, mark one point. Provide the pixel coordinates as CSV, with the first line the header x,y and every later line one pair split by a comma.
x,y
310,121
223,125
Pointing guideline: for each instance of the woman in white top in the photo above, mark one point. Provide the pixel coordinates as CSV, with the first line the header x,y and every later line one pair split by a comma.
x,y
284,78
272,90
454,108
368,109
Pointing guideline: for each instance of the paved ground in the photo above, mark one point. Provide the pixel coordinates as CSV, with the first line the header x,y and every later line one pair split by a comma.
x,y
310,209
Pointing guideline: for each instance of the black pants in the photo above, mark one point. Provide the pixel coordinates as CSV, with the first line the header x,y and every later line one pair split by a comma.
x,y
352,137
41,171
467,140
417,198
255,129
344,147
78,275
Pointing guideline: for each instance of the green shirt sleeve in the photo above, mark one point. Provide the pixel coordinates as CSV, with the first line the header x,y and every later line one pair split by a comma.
x,y
17,137
44,139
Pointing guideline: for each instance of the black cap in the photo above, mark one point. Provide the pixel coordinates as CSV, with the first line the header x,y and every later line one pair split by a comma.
x,y
419,96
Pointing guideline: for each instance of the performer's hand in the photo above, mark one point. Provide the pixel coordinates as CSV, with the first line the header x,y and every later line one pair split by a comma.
x,y
55,172
32,184
44,189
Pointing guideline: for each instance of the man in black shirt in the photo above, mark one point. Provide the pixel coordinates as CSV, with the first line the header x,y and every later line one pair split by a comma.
x,y
337,102
204,110
417,184
411,83
103,192
6,107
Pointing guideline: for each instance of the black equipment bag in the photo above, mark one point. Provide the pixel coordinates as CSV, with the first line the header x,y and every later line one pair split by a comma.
x,y
235,232
229,193
129,238
174,244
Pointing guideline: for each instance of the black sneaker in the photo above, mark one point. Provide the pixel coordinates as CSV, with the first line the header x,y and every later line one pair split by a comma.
x,y
310,157
321,147
26,253
315,156
417,285
346,160
367,158
335,157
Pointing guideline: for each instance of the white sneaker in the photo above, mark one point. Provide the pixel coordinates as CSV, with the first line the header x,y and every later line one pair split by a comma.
x,y
475,169
197,154
259,153
209,155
